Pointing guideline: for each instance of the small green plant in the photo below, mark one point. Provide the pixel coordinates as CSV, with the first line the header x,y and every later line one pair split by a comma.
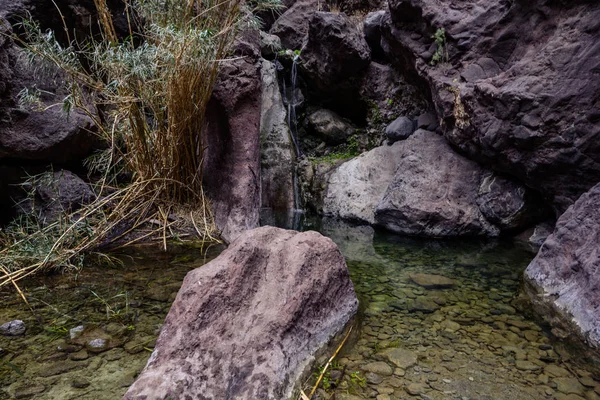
x,y
357,381
441,53
389,102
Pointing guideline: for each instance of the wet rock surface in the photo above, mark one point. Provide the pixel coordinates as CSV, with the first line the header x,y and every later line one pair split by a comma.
x,y
254,317
276,152
563,279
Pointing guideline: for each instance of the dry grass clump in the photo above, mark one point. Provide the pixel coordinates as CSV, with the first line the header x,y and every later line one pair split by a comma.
x,y
148,95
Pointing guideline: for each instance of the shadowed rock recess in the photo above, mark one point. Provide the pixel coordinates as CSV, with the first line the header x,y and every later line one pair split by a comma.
x,y
563,280
248,324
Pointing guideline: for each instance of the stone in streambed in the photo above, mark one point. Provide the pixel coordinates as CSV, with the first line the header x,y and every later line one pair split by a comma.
x,y
429,281
378,367
569,386
422,304
29,390
13,328
256,317
402,358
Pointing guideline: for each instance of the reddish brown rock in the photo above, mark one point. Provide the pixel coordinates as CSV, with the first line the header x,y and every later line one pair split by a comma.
x,y
232,156
249,323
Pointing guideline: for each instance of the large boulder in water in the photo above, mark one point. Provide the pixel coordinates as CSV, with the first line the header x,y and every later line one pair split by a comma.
x,y
563,280
437,192
248,324
519,90
355,188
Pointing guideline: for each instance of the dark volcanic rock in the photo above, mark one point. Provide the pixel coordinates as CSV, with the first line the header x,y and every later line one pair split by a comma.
x,y
437,192
232,157
334,59
43,132
329,126
56,194
400,129
248,324
563,280
520,90
292,26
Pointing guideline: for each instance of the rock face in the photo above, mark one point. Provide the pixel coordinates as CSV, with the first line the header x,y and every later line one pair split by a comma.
x,y
246,325
437,192
520,89
232,158
292,26
329,126
277,154
355,188
334,58
563,280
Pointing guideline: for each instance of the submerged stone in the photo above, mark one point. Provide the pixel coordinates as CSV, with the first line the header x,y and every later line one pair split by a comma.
x,y
429,281
378,367
13,328
402,358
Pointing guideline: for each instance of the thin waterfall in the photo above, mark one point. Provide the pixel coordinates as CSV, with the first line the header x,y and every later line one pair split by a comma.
x,y
292,103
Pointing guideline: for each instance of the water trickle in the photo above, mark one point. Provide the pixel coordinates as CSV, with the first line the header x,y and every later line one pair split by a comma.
x,y
292,102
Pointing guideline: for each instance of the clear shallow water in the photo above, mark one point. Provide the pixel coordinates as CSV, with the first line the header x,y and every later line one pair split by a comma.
x,y
124,305
464,342
467,341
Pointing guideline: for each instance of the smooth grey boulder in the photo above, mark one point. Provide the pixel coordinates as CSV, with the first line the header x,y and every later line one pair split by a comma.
x,y
563,280
276,148
355,188
329,126
248,324
400,129
437,192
